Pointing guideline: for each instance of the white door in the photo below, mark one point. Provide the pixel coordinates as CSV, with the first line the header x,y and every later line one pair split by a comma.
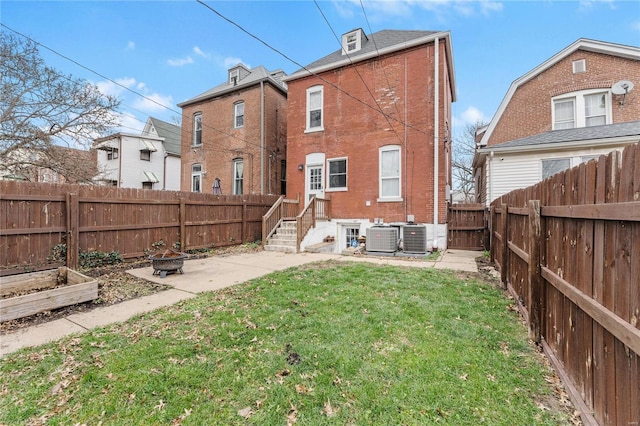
x,y
314,182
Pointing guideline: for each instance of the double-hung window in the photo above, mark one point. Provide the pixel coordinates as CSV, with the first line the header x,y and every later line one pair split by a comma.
x,y
564,114
197,129
315,118
337,174
238,176
389,167
581,109
238,115
196,178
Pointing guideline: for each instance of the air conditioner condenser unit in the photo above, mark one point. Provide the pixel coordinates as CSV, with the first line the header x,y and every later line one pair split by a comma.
x,y
382,238
414,238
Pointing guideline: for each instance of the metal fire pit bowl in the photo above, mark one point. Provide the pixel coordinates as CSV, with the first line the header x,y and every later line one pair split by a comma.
x,y
168,261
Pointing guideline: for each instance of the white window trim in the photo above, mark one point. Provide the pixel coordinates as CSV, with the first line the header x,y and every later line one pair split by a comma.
x,y
579,66
235,115
386,148
196,116
234,188
328,175
194,174
320,128
579,106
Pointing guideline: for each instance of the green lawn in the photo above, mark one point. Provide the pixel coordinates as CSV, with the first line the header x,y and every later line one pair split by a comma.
x,y
325,344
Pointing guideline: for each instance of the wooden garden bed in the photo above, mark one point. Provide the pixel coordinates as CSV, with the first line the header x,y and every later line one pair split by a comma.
x,y
27,294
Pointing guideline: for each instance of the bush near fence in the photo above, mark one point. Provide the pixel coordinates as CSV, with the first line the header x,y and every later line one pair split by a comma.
x,y
37,217
568,249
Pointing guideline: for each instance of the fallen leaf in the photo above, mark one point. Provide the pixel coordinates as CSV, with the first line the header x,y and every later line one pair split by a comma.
x,y
491,377
160,405
245,412
328,410
292,417
464,377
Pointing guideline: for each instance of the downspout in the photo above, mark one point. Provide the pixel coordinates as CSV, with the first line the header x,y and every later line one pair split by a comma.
x,y
164,171
262,138
119,161
436,130
489,173
406,182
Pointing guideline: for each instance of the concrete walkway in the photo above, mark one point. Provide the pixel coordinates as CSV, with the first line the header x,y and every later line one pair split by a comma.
x,y
212,273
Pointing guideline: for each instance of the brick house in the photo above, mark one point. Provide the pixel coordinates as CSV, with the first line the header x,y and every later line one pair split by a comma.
x,y
368,127
234,135
570,109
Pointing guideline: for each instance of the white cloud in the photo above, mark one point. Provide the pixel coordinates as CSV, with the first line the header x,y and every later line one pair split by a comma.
x,y
473,115
180,61
131,45
116,87
378,10
199,52
232,61
153,103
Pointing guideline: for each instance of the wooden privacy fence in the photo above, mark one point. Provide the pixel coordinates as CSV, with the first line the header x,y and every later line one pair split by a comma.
x,y
568,249
468,227
35,217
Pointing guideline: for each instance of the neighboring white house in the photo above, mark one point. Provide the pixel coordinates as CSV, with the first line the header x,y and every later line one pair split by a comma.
x,y
150,160
527,161
577,105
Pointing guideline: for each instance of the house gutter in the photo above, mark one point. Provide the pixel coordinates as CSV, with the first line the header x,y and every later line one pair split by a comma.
x,y
589,143
436,100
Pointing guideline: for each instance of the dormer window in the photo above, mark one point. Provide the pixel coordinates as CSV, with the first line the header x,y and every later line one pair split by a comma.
x,y
234,76
352,41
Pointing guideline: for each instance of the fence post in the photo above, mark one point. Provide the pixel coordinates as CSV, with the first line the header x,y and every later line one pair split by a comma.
x,y
182,217
244,221
504,219
73,216
492,224
535,280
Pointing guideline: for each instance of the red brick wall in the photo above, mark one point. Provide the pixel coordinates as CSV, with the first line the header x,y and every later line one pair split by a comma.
x,y
222,143
529,110
402,84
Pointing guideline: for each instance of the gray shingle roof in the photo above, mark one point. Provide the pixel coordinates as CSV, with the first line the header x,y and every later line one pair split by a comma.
x,y
170,133
255,76
372,43
631,128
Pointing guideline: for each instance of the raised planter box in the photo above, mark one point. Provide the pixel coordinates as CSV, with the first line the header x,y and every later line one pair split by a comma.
x,y
73,288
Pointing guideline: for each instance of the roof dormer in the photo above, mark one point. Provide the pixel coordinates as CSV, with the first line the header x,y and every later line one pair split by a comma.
x,y
237,73
352,41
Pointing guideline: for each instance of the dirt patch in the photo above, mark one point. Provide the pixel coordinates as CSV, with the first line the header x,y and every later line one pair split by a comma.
x,y
115,285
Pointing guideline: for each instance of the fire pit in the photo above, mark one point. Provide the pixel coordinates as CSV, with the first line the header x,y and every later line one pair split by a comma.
x,y
167,261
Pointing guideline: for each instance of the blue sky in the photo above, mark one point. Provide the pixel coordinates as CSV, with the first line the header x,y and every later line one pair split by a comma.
x,y
169,51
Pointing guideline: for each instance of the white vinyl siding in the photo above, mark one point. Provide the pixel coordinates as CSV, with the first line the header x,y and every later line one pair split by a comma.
x,y
514,171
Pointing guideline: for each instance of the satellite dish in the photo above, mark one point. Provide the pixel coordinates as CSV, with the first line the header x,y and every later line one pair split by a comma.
x,y
622,87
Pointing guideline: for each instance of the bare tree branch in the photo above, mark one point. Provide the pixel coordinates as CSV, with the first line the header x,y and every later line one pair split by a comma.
x,y
41,108
463,150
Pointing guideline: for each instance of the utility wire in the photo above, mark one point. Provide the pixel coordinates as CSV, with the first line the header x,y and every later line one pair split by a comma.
x,y
355,68
241,28
256,144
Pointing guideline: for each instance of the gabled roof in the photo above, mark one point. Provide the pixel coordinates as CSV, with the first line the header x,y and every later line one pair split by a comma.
x,y
255,76
378,44
596,46
563,138
170,133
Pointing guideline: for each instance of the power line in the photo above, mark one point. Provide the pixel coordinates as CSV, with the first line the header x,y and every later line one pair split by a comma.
x,y
355,68
241,28
256,144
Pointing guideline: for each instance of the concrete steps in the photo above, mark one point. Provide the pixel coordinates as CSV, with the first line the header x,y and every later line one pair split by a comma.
x,y
284,239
